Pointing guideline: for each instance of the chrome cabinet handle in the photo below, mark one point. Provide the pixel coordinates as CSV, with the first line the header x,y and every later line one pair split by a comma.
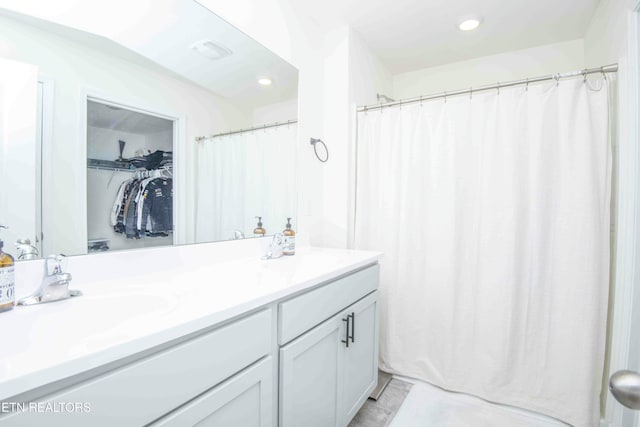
x,y
625,387
347,336
353,326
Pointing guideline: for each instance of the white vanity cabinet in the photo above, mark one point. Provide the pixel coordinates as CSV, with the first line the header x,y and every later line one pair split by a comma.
x,y
245,400
145,390
328,372
304,357
360,372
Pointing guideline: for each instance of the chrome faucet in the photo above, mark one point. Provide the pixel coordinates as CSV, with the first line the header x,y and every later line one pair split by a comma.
x,y
26,250
276,248
54,285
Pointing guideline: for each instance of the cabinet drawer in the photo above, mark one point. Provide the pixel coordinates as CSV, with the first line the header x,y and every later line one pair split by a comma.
x,y
245,400
143,391
303,312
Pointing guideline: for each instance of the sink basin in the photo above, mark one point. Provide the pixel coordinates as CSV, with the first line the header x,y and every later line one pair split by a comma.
x,y
90,319
120,315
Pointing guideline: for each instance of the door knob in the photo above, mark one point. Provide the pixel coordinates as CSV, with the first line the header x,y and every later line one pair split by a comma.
x,y
625,387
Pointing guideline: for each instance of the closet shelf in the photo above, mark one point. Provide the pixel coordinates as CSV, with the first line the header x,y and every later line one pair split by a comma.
x,y
112,165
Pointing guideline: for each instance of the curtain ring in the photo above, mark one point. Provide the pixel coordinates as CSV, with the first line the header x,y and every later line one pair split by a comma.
x,y
400,104
604,75
584,76
557,78
420,101
498,88
470,93
445,97
526,88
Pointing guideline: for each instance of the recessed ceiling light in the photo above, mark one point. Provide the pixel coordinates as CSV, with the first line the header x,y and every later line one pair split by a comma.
x,y
469,23
265,81
210,50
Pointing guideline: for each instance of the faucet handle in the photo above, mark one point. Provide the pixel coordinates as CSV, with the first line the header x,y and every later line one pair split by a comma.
x,y
54,264
276,247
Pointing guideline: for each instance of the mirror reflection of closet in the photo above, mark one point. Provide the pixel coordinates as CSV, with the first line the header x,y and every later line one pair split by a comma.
x,y
71,75
129,178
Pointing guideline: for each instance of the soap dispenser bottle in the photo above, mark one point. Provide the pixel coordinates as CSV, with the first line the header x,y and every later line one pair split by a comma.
x,y
7,279
289,239
259,231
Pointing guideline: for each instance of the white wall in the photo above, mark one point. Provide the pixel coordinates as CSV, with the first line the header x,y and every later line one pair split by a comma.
x,y
162,140
103,143
279,112
606,38
352,76
300,42
606,41
368,76
515,65
334,176
330,65
76,68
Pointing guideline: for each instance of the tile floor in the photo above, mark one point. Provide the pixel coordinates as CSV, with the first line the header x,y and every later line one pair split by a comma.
x,y
380,413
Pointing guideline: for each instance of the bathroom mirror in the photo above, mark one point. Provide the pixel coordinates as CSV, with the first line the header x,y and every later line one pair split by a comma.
x,y
116,135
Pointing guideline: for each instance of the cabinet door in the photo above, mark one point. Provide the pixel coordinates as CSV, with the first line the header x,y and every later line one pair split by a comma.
x,y
360,372
244,400
142,391
310,375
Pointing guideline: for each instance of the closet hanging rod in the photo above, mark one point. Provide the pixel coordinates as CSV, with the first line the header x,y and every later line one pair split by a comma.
x,y
557,77
234,132
107,168
168,168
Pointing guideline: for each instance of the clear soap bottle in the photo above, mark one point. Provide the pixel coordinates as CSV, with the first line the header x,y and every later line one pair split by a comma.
x,y
7,279
289,239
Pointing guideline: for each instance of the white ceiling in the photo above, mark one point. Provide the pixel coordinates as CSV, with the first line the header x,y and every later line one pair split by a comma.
x,y
162,31
405,34
123,120
413,34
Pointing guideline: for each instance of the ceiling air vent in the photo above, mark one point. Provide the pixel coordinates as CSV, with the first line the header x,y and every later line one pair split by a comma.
x,y
210,50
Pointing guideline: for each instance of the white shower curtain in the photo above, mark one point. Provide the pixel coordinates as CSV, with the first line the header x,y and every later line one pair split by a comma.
x,y
493,214
242,176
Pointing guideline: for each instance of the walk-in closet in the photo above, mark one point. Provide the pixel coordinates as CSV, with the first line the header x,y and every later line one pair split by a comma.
x,y
129,178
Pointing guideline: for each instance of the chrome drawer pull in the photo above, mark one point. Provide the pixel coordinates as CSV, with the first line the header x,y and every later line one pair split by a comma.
x,y
347,336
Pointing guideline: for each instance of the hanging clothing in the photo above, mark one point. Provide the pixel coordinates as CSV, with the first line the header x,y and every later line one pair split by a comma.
x,y
144,207
494,213
155,214
117,212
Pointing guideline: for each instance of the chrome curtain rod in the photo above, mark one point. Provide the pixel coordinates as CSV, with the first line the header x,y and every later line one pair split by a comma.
x,y
470,91
234,132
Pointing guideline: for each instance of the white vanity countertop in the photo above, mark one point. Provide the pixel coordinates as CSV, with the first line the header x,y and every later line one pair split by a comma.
x,y
118,318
